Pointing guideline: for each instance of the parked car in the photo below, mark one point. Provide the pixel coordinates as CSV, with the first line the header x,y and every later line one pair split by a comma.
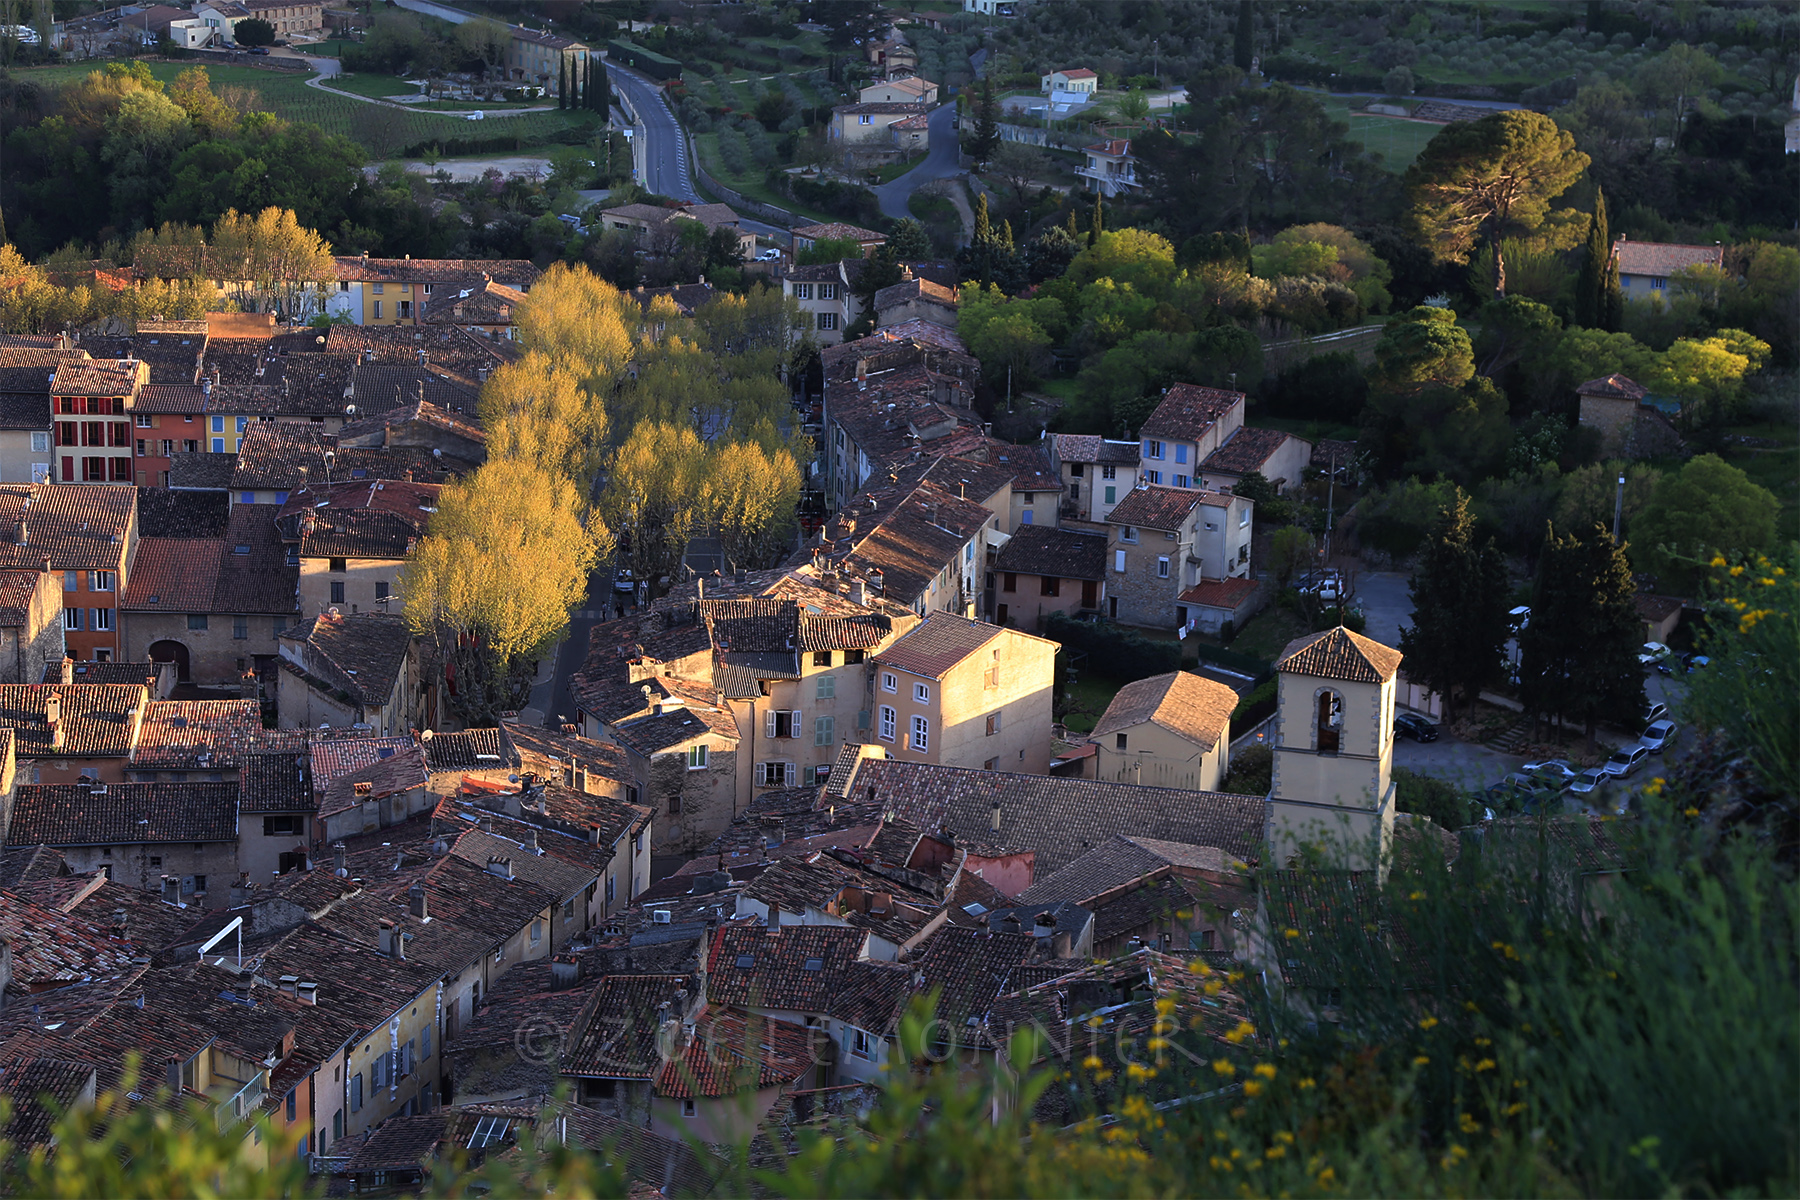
x,y
257,50
1655,712
1625,762
1520,618
1328,585
1557,771
624,581
1415,727
1653,653
1658,736
1589,784
1693,662
475,116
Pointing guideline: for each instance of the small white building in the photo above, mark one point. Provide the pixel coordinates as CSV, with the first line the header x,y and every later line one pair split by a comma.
x,y
1072,79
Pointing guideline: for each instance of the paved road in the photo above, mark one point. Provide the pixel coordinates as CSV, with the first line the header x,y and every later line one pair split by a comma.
x,y
665,150
944,162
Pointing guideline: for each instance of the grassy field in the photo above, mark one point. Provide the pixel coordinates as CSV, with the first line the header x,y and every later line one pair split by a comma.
x,y
1088,697
381,130
376,86
1397,141
706,146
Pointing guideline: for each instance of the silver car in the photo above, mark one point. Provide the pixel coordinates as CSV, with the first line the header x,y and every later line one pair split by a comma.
x,y
1658,736
1625,762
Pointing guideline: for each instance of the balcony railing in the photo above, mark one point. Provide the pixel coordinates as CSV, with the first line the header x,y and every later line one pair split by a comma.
x,y
234,1106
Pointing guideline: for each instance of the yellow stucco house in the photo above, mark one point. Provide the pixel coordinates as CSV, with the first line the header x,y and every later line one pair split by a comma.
x,y
1169,730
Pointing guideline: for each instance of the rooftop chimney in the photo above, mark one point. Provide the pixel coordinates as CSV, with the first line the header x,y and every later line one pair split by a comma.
x,y
172,1074
994,817
171,889
581,779
241,891
565,973
393,941
21,535
500,866
340,860
859,592
307,992
415,902
68,670
531,840
53,717
289,983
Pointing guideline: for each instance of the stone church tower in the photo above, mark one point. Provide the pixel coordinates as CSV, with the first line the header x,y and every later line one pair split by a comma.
x,y
1334,747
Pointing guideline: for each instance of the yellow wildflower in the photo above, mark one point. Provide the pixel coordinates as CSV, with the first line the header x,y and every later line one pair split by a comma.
x,y
1265,1070
1737,570
1275,1152
1252,1089
1223,1067
1092,1063
1308,1082
1165,1006
1428,1023
1717,561
1292,933
1244,1030
1417,895
1326,1176
1691,811
1140,1071
1217,1163
1421,1060
1486,1064
1469,1124
1484,1041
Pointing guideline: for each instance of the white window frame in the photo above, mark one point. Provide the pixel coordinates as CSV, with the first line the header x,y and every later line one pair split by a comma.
x,y
1128,533
890,682
697,757
103,620
40,442
803,291
828,291
1153,449
827,322
921,734
1118,562
921,693
100,581
1162,568
1244,517
890,723
775,774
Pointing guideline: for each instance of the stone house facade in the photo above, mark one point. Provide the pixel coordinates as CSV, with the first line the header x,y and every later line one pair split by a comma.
x,y
1163,540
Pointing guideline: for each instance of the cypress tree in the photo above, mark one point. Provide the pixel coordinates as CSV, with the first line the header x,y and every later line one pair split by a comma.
x,y
1590,286
1458,632
1612,299
562,82
602,88
1098,225
1073,230
587,83
1579,654
1243,47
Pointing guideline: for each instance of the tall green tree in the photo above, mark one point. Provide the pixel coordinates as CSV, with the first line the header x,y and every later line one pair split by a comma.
x,y
1489,179
1590,285
1097,226
1578,656
986,138
1707,508
1243,42
602,87
562,82
1458,635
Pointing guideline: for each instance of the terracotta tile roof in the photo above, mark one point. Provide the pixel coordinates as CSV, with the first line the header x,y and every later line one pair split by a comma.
x,y
1327,451
512,272
334,757
971,967
447,347
464,750
1077,73
1116,147
1656,608
28,864
910,536
61,893
1152,507
548,751
98,720
1248,449
275,783
177,398
24,410
210,575
360,655
910,290
834,231
99,377
388,777
1340,654
1190,705
416,412
621,1040
1614,387
795,968
201,471
29,369
17,587
1228,594
378,387
937,644
1056,819
818,881
29,1083
196,734
686,297
1188,411
658,1164
52,948
400,1144
375,518
74,525
733,1052
173,575
475,302
1059,553
112,671
871,996
1662,259
124,814
1123,859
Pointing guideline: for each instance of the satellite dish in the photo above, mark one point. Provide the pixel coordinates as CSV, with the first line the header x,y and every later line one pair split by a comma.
x,y
349,410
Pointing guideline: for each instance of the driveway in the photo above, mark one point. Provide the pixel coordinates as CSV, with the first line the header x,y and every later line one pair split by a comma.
x,y
944,162
1385,603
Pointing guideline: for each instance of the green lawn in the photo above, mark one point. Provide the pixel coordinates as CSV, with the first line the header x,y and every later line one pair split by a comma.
x,y
1088,697
1397,141
1267,634
378,87
382,130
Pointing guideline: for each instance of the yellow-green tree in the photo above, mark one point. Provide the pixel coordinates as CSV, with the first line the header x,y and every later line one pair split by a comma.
x,y
581,322
653,495
505,557
271,261
537,411
751,494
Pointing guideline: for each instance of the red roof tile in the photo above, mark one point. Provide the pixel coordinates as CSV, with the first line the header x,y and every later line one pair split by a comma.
x,y
1340,654
937,644
1188,411
186,735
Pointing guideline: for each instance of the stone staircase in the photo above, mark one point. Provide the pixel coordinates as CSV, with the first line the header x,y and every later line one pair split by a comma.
x,y
1512,739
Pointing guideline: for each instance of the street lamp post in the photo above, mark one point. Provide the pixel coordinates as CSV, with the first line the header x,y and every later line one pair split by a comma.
x,y
1618,507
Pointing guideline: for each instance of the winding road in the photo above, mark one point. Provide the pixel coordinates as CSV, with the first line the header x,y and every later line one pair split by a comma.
x,y
943,162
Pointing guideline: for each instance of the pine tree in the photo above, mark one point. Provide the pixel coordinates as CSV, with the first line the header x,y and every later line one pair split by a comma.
x,y
1098,225
1590,286
562,82
1243,47
1458,634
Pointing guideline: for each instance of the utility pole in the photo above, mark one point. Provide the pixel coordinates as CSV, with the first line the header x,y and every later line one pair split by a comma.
x,y
1618,507
1330,509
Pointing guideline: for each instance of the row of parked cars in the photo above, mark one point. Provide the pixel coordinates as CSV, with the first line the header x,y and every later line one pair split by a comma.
x,y
1555,784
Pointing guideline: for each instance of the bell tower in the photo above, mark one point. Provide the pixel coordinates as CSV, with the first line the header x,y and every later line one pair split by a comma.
x,y
1334,748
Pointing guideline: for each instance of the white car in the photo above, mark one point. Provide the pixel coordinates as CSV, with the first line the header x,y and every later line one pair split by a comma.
x,y
1520,618
475,116
1653,653
1625,762
770,255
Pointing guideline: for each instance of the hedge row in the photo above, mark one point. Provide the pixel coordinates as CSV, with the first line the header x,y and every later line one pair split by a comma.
x,y
1113,651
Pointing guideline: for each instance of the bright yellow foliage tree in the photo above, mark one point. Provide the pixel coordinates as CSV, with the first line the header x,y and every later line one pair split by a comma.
x,y
505,557
538,411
